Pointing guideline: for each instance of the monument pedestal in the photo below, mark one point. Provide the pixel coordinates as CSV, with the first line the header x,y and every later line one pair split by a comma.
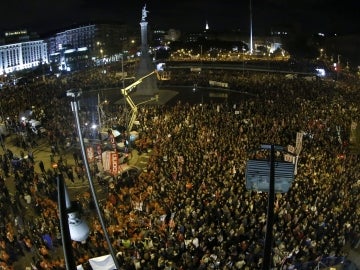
x,y
148,87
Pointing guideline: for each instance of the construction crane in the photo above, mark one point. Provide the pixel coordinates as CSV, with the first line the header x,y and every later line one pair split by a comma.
x,y
161,75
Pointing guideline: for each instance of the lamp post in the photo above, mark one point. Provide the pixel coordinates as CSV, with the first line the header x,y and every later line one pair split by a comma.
x,y
123,77
122,70
125,106
65,231
243,60
100,110
71,225
338,67
270,212
279,178
74,93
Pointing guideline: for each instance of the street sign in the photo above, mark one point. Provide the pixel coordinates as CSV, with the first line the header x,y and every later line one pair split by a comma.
x,y
257,175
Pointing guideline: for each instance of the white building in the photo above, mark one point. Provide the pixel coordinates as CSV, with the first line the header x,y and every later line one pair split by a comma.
x,y
22,55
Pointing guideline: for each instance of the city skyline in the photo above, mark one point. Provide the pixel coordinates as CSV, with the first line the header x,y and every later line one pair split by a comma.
x,y
310,16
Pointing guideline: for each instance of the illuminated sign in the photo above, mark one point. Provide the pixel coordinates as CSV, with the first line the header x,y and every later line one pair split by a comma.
x,y
15,33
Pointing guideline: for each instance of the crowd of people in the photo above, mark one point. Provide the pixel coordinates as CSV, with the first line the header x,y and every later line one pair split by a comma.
x,y
190,208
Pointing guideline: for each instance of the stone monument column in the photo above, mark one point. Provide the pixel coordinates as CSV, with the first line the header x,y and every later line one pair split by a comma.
x,y
144,44
148,87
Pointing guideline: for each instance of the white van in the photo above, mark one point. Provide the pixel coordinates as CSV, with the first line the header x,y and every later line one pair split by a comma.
x,y
36,127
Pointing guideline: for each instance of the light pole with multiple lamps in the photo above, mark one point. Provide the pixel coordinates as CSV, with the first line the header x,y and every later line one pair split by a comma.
x,y
75,93
71,226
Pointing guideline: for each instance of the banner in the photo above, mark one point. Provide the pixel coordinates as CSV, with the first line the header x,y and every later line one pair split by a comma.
x,y
90,154
289,158
105,262
219,84
299,139
195,69
218,95
99,152
110,162
121,74
291,149
112,140
114,163
106,160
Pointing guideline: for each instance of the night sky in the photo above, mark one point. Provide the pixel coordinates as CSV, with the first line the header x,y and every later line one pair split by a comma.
x,y
341,16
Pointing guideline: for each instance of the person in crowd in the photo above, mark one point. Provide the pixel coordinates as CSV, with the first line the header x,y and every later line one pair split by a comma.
x,y
190,209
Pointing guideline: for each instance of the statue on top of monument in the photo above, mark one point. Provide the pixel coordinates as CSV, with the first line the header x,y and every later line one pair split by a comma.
x,y
144,13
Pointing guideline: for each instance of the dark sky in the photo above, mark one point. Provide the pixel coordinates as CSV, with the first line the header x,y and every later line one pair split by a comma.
x,y
305,15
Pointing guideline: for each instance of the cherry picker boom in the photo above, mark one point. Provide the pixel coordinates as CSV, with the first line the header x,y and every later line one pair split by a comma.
x,y
127,90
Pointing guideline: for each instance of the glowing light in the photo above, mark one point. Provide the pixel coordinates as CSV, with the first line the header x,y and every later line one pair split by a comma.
x,y
320,72
69,51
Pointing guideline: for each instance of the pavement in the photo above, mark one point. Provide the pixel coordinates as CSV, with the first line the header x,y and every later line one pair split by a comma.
x,y
43,153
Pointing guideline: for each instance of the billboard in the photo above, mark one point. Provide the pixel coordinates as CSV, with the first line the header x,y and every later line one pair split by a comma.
x,y
257,175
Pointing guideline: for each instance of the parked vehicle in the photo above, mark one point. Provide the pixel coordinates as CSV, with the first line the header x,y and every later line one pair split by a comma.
x,y
36,127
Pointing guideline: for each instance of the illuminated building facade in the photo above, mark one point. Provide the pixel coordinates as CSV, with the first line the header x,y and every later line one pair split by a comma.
x,y
88,43
70,49
22,55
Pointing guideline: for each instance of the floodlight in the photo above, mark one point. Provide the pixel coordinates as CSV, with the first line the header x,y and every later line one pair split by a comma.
x,y
79,230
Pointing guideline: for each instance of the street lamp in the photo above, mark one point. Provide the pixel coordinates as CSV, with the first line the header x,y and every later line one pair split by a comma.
x,y
243,58
71,226
74,93
123,86
269,176
100,111
122,70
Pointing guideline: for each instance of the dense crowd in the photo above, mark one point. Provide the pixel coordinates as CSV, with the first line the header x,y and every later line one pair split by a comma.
x,y
190,208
